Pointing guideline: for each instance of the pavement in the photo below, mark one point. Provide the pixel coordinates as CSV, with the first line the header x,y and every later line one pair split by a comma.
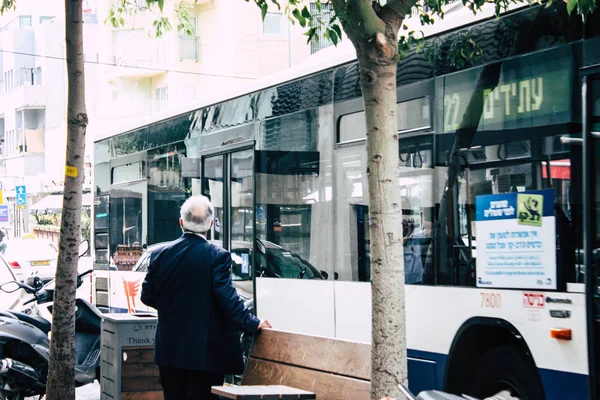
x,y
87,392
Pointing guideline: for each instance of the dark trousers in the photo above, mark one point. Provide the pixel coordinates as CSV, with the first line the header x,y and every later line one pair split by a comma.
x,y
183,384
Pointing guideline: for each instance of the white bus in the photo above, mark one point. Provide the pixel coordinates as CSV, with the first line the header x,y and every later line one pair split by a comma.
x,y
500,192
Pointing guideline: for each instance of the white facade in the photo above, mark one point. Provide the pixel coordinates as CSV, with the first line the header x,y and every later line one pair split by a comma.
x,y
129,76
231,47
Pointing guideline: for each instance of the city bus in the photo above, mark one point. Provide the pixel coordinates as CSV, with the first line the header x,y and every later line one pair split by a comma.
x,y
499,178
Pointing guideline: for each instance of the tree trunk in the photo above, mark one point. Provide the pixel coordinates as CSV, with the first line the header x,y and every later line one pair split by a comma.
x,y
388,357
61,371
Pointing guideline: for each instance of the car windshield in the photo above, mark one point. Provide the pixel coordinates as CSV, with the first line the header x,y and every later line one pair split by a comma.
x,y
30,248
288,265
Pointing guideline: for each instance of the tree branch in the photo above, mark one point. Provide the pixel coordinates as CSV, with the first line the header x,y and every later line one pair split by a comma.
x,y
365,21
394,12
400,7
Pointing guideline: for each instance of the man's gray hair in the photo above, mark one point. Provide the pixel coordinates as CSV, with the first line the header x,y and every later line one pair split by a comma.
x,y
197,214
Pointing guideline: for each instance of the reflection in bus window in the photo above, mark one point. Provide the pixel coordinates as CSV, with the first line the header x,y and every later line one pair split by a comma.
x,y
213,184
126,225
294,208
416,182
242,187
510,143
166,193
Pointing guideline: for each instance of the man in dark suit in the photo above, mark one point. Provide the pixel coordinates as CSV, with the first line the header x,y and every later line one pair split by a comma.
x,y
199,310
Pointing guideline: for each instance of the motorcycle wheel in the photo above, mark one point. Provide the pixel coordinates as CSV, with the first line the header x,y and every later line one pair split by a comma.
x,y
11,396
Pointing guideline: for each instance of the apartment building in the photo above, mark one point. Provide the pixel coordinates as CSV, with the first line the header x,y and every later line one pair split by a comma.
x,y
231,46
130,76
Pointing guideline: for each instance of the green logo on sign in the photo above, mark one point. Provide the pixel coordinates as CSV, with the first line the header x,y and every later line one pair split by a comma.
x,y
530,209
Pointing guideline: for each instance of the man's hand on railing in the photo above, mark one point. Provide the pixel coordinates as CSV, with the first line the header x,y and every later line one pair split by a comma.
x,y
264,324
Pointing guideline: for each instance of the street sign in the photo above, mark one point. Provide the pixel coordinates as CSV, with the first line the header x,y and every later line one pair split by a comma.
x,y
21,197
3,213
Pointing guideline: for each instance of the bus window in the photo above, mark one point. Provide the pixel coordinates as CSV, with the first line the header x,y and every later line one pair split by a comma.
x,y
166,193
416,183
213,184
294,208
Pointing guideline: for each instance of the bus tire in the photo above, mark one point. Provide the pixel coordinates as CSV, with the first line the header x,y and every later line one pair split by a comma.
x,y
505,368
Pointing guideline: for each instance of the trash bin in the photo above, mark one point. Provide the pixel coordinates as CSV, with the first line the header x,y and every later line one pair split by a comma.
x,y
127,367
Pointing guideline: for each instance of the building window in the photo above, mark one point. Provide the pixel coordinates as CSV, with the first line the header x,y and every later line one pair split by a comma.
x,y
27,76
44,20
38,76
25,21
272,24
320,19
162,97
412,115
129,172
188,44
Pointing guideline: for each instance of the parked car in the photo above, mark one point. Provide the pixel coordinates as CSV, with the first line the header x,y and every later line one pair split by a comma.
x,y
273,261
31,257
8,300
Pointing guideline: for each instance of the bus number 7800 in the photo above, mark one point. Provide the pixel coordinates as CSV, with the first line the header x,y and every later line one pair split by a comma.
x,y
491,300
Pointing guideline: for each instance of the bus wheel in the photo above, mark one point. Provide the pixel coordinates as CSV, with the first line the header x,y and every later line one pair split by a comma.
x,y
505,368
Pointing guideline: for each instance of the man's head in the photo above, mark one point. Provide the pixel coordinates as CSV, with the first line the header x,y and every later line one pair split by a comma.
x,y
196,215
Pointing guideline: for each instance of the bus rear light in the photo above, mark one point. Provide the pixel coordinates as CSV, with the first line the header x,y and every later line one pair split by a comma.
x,y
14,264
560,333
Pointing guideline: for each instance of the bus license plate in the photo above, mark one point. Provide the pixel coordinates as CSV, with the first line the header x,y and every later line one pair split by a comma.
x,y
41,262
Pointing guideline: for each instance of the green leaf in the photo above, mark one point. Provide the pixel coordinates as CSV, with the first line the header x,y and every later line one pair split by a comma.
x,y
296,13
306,13
276,3
310,32
264,7
161,4
333,36
319,5
337,30
571,4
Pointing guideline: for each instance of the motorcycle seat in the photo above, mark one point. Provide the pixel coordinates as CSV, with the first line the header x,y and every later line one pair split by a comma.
x,y
7,314
34,320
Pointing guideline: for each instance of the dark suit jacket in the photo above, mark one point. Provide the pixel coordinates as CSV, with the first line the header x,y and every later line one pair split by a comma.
x,y
199,311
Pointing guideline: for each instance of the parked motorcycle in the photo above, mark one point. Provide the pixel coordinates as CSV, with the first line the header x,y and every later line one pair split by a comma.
x,y
25,345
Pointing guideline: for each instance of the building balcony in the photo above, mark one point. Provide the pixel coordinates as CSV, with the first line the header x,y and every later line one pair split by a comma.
x,y
28,96
137,56
22,165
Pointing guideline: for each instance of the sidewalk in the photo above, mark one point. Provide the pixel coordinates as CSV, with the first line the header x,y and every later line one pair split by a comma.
x,y
88,392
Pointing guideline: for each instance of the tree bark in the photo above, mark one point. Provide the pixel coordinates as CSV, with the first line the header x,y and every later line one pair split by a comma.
x,y
378,63
61,370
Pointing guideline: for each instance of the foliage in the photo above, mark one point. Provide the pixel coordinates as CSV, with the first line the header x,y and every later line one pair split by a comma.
x,y
43,220
123,11
86,224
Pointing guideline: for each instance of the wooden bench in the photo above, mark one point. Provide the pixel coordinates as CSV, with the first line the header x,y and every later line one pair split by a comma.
x,y
331,369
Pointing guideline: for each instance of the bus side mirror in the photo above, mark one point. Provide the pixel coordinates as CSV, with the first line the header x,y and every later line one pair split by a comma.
x,y
83,248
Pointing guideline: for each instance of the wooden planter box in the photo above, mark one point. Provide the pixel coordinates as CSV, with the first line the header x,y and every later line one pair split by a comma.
x,y
127,370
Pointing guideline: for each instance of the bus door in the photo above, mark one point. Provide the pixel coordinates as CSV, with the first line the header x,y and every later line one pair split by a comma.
x,y
591,217
228,181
